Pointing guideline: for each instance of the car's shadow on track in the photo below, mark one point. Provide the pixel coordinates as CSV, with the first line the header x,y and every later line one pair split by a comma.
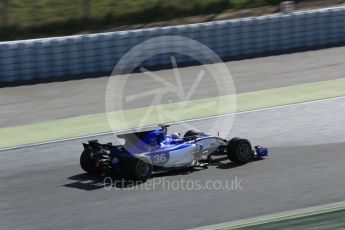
x,y
89,182
223,162
85,181
177,172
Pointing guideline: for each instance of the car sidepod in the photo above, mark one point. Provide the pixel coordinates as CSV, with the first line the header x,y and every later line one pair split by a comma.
x,y
175,156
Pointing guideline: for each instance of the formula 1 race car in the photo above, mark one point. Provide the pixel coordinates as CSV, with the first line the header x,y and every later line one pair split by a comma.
x,y
155,150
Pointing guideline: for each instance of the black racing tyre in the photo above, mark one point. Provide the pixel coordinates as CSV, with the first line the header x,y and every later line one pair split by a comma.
x,y
239,150
191,133
88,164
138,170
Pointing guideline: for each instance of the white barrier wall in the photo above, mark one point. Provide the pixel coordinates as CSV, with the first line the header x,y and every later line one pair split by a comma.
x,y
85,55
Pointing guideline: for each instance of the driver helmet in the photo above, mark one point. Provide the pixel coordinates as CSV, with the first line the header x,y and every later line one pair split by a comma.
x,y
176,136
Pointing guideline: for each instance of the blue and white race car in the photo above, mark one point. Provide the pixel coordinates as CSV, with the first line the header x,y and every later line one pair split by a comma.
x,y
155,150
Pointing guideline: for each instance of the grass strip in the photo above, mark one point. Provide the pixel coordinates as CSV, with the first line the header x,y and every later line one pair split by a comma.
x,y
120,120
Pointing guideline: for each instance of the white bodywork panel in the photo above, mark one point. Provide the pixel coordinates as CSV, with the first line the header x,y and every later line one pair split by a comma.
x,y
186,153
182,157
186,156
208,145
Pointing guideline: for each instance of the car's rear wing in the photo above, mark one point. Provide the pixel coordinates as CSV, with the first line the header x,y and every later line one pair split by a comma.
x,y
95,145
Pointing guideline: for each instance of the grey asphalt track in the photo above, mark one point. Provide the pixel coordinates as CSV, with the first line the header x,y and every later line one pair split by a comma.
x,y
46,102
43,187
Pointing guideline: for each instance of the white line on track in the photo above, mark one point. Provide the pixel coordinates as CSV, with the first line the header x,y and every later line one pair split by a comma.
x,y
178,122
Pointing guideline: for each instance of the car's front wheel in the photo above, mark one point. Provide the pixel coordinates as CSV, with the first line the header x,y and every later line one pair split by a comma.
x,y
239,150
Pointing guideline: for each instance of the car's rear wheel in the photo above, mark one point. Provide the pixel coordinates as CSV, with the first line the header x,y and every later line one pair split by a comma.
x,y
138,170
191,133
88,164
239,150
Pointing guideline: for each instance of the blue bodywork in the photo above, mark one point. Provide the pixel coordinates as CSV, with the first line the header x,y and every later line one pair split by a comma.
x,y
261,152
148,151
156,146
